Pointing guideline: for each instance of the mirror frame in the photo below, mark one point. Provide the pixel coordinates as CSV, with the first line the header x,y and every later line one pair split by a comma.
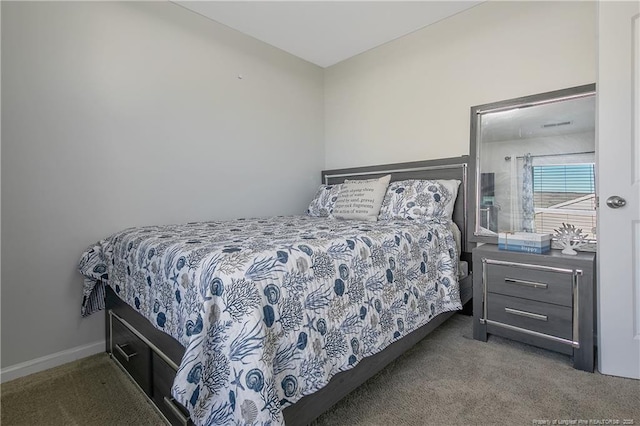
x,y
476,111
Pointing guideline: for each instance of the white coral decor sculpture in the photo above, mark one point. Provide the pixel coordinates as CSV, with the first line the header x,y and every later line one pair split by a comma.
x,y
570,238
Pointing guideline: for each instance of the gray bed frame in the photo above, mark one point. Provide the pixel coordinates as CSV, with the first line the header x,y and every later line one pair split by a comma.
x,y
310,407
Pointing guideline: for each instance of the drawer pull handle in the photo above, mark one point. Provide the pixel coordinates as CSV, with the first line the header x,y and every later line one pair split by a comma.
x,y
126,356
169,402
526,314
526,283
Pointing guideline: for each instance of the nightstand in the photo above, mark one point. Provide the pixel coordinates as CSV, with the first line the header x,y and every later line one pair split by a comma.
x,y
546,300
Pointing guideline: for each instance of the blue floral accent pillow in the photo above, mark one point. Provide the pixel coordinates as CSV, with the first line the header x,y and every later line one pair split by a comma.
x,y
324,200
416,199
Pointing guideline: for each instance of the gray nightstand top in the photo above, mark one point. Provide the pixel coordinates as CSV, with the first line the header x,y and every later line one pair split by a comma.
x,y
554,255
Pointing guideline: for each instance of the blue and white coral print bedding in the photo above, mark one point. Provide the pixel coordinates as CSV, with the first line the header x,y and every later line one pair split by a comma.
x,y
270,309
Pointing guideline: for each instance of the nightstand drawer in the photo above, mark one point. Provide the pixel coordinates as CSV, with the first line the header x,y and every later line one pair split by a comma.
x,y
544,318
533,284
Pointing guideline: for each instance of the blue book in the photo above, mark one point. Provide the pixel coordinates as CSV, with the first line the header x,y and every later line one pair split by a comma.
x,y
525,248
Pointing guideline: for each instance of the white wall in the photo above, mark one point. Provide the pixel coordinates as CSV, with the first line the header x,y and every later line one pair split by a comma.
x,y
410,99
124,114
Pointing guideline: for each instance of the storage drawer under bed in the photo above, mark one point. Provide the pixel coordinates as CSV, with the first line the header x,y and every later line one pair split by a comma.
x,y
163,375
147,367
132,353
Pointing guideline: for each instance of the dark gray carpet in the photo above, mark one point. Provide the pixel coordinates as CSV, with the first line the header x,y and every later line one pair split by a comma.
x,y
91,391
447,379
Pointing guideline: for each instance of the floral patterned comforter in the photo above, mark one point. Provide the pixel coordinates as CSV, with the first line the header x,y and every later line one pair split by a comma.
x,y
270,309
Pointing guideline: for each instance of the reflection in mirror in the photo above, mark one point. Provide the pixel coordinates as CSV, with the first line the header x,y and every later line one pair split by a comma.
x,y
535,164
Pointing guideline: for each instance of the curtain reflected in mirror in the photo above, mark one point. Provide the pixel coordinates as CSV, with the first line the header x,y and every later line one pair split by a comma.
x,y
535,160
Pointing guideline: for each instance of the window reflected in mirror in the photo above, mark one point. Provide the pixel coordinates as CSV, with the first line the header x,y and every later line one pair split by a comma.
x,y
535,163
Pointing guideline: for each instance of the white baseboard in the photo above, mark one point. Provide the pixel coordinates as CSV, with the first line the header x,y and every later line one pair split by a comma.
x,y
50,361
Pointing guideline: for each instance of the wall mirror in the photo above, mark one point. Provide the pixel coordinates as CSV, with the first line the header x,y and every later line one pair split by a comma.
x,y
534,164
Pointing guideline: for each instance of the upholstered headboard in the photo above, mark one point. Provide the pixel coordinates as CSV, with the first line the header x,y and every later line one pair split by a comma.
x,y
443,168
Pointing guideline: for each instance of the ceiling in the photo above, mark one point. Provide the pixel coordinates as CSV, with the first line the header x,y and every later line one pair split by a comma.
x,y
327,32
553,119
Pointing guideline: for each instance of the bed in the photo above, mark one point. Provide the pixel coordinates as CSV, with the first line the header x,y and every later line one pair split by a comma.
x,y
274,320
